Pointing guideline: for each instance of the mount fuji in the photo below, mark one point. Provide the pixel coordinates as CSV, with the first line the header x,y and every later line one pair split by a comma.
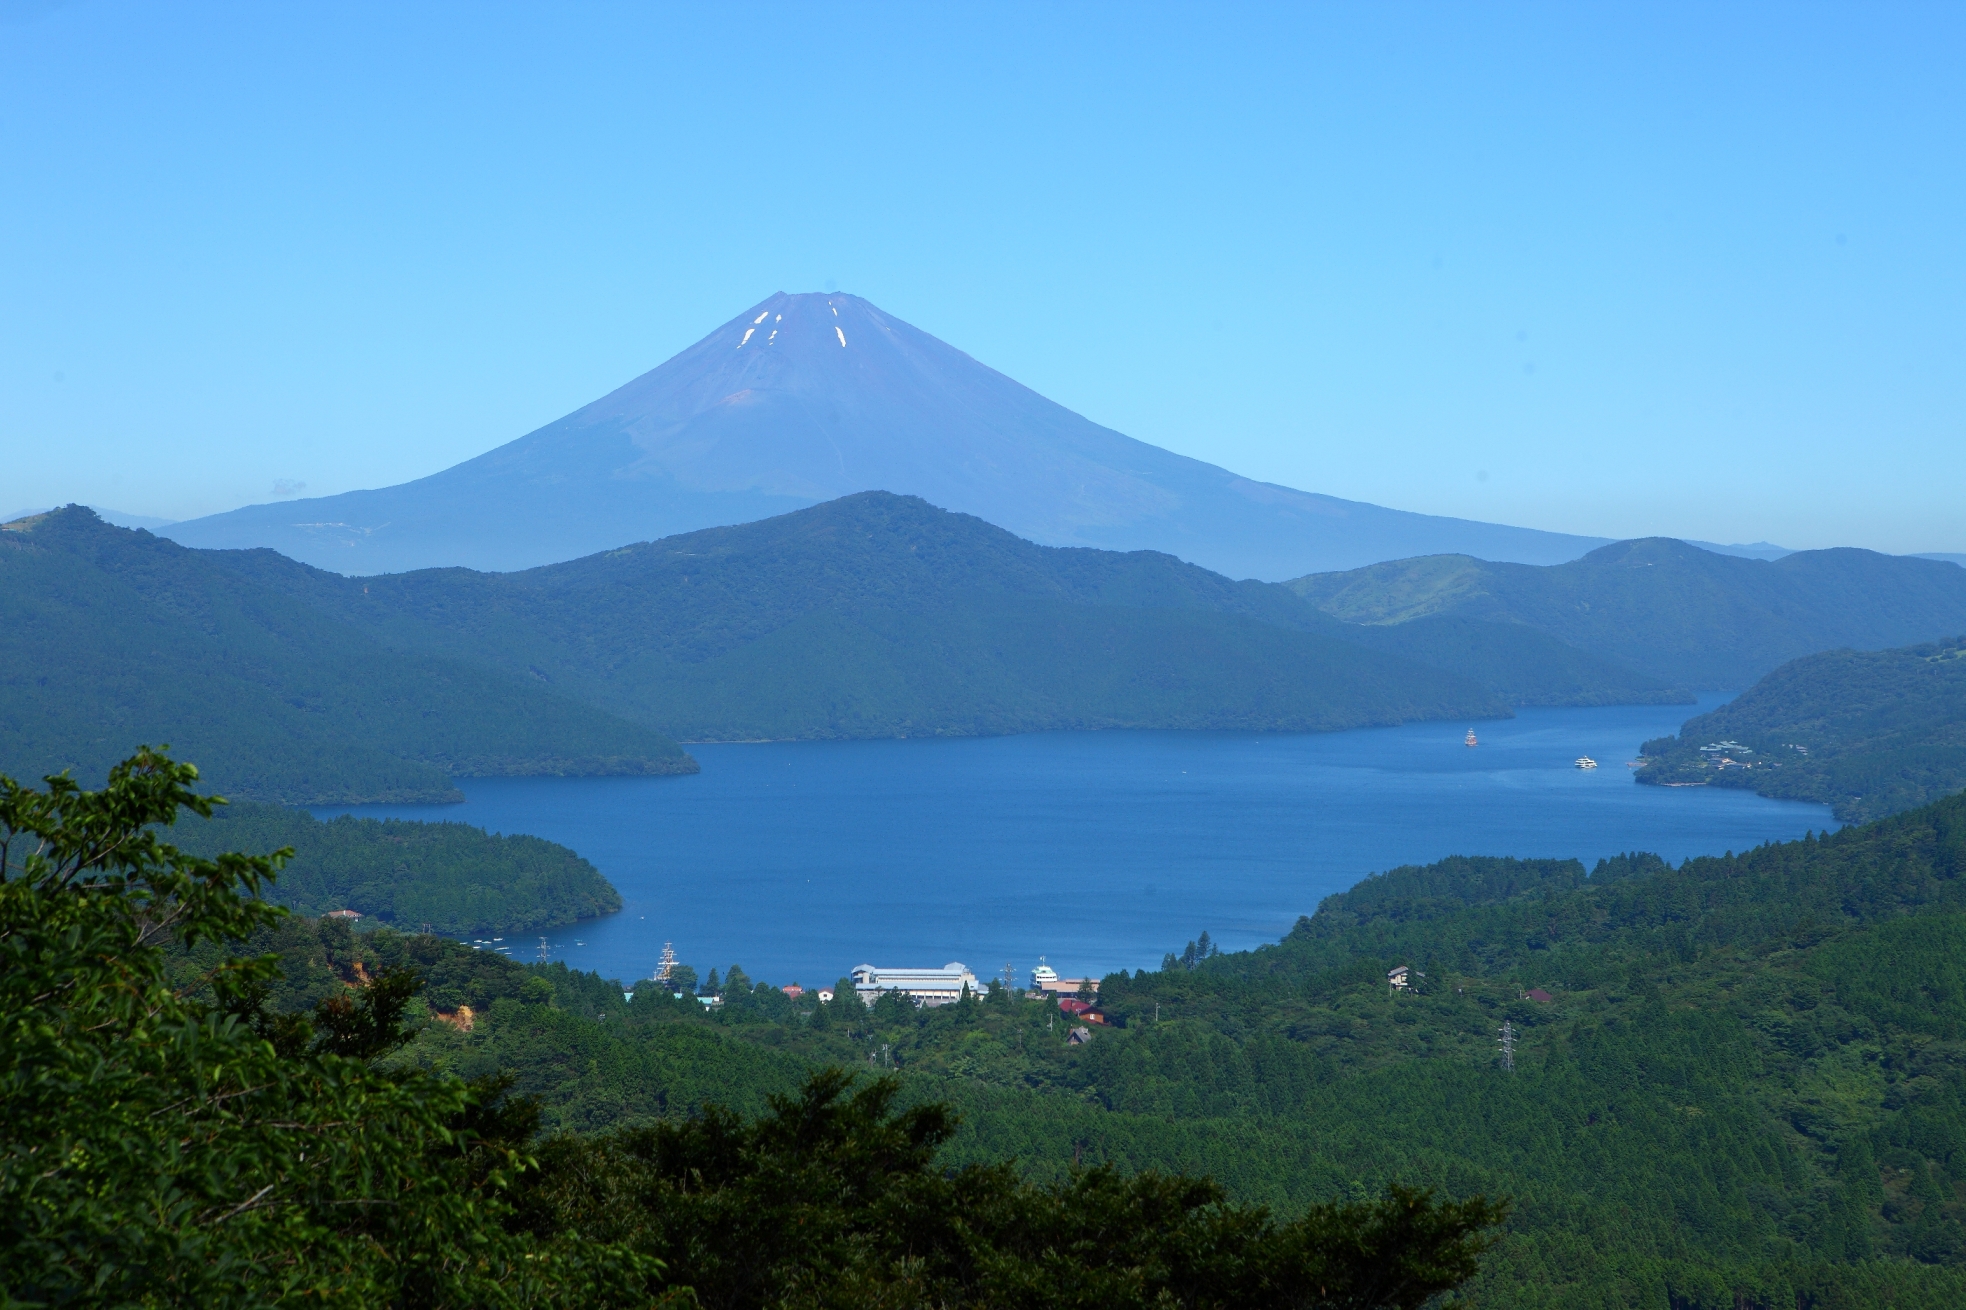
x,y
805,398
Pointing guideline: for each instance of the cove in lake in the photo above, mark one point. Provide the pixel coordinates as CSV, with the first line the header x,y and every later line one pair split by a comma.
x,y
1100,850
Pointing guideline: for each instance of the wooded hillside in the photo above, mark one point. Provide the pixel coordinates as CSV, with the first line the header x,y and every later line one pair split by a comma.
x,y
1686,616
1868,732
110,637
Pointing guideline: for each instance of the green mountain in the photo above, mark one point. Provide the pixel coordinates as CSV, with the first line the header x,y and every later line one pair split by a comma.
x,y
110,637
1685,616
1520,664
1738,1082
880,615
1868,732
448,878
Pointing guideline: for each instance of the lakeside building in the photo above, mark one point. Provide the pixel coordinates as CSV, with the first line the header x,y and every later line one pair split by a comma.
x,y
942,986
1046,982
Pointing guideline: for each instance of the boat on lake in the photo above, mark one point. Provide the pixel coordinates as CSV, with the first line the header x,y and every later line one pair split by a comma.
x,y
1586,762
1469,740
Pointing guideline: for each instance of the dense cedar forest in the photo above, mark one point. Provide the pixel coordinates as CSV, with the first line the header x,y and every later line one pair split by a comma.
x,y
447,878
1868,732
1737,1082
109,637
1685,616
179,1128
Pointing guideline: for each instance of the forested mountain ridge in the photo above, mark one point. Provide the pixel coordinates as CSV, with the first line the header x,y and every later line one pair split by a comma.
x,y
1748,1085
1868,732
882,615
1686,616
110,636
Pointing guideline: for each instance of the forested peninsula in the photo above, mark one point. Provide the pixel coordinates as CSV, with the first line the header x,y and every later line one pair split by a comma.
x,y
448,878
1869,733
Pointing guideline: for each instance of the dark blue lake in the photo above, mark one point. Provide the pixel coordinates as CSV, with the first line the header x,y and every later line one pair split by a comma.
x,y
1100,850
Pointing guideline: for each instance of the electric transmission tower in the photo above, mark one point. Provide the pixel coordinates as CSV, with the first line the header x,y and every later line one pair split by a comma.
x,y
1508,1046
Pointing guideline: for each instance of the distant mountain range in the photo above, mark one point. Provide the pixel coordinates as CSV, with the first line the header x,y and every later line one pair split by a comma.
x,y
879,616
1673,612
869,616
805,398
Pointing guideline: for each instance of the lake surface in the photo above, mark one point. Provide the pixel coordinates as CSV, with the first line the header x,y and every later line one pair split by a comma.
x,y
1099,850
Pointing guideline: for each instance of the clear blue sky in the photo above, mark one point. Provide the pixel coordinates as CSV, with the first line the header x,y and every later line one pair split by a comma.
x,y
1618,269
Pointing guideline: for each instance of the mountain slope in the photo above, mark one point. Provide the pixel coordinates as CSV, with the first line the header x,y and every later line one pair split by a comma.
x,y
880,615
1868,732
110,637
805,398
1522,665
1671,611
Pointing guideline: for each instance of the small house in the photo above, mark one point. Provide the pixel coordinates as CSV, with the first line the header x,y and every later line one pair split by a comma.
x,y
1078,1037
1398,978
342,914
1538,995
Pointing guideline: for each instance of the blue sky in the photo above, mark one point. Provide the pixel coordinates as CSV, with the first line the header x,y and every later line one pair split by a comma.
x,y
1695,270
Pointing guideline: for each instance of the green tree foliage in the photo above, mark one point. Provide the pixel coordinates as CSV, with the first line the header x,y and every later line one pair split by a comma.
x,y
441,877
834,1199
1684,616
109,636
156,1149
1867,732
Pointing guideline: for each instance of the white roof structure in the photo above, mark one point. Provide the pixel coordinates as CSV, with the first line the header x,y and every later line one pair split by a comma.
x,y
942,986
